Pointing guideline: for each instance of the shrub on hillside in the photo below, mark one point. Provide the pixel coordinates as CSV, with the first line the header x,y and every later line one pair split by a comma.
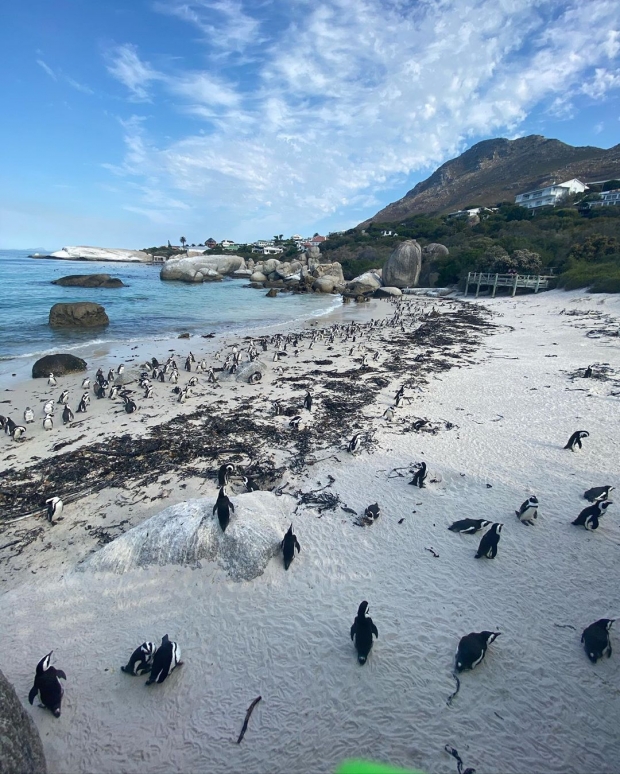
x,y
598,277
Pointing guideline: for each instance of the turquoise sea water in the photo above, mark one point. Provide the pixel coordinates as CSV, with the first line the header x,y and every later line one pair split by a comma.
x,y
147,308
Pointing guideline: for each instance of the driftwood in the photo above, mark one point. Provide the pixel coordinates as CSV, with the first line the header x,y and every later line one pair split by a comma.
x,y
247,718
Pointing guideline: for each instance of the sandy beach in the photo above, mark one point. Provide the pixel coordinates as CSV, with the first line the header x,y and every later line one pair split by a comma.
x,y
493,390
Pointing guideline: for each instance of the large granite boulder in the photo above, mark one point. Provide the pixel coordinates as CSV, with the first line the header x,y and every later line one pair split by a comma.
x,y
270,265
83,253
333,270
324,285
59,365
364,284
431,256
435,250
402,268
284,270
21,750
258,276
83,314
202,268
388,292
89,281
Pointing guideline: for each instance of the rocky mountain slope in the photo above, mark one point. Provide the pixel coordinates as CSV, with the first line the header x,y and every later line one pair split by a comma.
x,y
497,170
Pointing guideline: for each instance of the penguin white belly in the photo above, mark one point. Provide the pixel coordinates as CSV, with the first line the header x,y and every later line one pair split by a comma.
x,y
529,514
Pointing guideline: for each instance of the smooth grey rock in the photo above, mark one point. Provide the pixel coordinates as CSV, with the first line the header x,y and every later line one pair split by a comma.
x,y
201,268
21,750
388,292
258,276
89,281
59,365
272,293
324,285
435,250
270,265
284,270
402,268
364,284
242,273
246,371
83,314
333,270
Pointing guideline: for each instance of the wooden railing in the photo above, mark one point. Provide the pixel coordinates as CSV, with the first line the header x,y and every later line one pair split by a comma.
x,y
534,282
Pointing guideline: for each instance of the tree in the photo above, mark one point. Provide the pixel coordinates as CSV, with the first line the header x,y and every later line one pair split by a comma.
x,y
183,241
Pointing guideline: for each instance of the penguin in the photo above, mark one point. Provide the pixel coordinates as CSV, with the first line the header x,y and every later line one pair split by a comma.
x,y
48,422
47,685
99,390
28,415
18,432
288,546
250,485
355,443
85,383
488,544
141,659
67,415
255,378
277,408
469,526
49,407
388,414
362,631
174,377
188,364
598,493
130,406
81,409
528,511
588,372
3,421
54,508
472,649
308,401
419,476
111,375
595,639
372,513
223,506
576,438
193,381
589,517
64,397
114,390
51,381
295,422
166,658
120,369
148,391
224,473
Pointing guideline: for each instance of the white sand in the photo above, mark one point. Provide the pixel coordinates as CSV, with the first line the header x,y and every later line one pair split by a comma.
x,y
535,704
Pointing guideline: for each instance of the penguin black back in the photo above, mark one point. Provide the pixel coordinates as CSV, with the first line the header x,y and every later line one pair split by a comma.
x,y
47,685
223,506
419,476
489,541
288,545
141,659
595,639
362,632
469,526
472,649
576,438
166,658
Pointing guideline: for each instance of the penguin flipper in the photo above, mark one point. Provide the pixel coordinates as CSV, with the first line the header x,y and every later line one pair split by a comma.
x,y
232,507
353,630
60,673
33,693
297,546
374,630
214,509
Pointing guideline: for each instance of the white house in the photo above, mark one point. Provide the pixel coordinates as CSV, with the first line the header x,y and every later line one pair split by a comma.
x,y
550,195
272,250
226,243
607,199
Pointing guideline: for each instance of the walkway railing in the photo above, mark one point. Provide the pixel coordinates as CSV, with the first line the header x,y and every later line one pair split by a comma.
x,y
534,282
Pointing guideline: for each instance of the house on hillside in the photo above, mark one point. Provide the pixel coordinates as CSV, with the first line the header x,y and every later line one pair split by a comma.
x,y
272,250
606,199
389,234
210,243
226,244
550,195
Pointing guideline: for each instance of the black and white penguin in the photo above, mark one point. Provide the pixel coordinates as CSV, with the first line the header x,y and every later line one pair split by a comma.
x,y
277,408
67,415
18,432
130,406
28,415
51,381
188,363
362,631
141,659
255,378
48,422
388,414
8,425
598,493
120,369
419,476
528,511
288,546
371,514
355,443
589,517
193,381
588,372
488,544
64,397
295,422
81,409
576,438
308,401
595,639
166,658
250,484
85,383
47,685
224,474
114,390
148,391
54,508
99,390
49,407
223,506
472,649
469,526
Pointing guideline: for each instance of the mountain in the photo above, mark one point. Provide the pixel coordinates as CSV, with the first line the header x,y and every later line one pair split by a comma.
x,y
497,170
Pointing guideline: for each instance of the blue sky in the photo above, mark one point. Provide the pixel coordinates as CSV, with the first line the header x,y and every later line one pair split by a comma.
x,y
130,122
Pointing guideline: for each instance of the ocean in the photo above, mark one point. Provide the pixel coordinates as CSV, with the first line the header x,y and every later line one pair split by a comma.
x,y
144,310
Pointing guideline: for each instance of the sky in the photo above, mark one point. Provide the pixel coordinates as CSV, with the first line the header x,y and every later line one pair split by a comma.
x,y
128,123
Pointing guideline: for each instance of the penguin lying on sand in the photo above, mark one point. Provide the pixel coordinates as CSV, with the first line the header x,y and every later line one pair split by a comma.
x,y
288,546
472,649
166,658
598,493
528,511
47,685
141,659
488,544
589,517
362,631
595,639
469,526
576,438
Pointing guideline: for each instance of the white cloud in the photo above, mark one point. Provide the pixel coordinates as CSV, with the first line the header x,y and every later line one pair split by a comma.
x,y
78,86
350,96
47,69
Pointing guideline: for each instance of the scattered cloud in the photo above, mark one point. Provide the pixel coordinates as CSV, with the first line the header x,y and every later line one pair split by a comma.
x,y
47,69
78,86
59,75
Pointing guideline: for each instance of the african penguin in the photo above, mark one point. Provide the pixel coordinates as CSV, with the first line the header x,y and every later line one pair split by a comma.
x,y
589,517
49,407
18,432
51,382
223,506
67,415
224,473
64,397
308,401
576,438
419,476
362,631
85,383
469,526
141,659
288,546
595,639
488,544
295,422
120,369
166,658
388,414
48,422
588,372
371,514
28,415
598,493
81,409
528,511
472,649
54,508
355,443
130,407
250,484
47,685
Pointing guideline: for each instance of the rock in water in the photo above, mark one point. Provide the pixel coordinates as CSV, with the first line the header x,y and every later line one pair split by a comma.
x,y
189,532
59,365
21,751
204,268
402,269
83,314
89,281
273,293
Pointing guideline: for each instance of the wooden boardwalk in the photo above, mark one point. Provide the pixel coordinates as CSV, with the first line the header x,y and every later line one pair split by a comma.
x,y
533,282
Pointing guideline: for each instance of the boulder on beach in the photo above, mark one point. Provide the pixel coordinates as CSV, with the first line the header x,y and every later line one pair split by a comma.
x,y
82,253
189,532
21,750
82,314
365,283
258,276
59,365
324,284
402,268
435,250
89,281
388,292
201,268
251,372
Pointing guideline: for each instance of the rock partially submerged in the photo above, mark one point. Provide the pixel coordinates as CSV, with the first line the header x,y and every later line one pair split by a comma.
x,y
83,314
89,281
201,268
21,750
188,533
59,365
82,253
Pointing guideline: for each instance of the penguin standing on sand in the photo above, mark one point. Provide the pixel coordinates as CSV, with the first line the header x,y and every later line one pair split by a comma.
x,y
18,431
488,544
167,657
576,438
48,422
295,422
51,381
595,639
223,506
141,659
85,383
288,546
130,406
588,372
469,526
64,397
49,407
81,409
224,474
472,649
355,443
589,517
99,390
308,401
528,511
47,685
54,508
67,415
598,493
28,415
419,476
362,631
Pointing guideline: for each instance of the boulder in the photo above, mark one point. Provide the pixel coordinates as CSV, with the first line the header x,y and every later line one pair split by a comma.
x,y
284,270
402,268
83,253
21,750
189,532
270,265
251,373
313,252
364,284
242,273
59,365
388,292
272,293
333,270
258,276
83,314
89,281
202,268
435,250
324,285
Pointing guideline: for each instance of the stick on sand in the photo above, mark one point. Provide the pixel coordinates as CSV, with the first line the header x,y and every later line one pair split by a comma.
x,y
247,718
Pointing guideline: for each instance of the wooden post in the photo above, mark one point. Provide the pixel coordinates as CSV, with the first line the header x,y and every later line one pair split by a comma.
x,y
514,286
478,285
467,283
494,286
537,284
